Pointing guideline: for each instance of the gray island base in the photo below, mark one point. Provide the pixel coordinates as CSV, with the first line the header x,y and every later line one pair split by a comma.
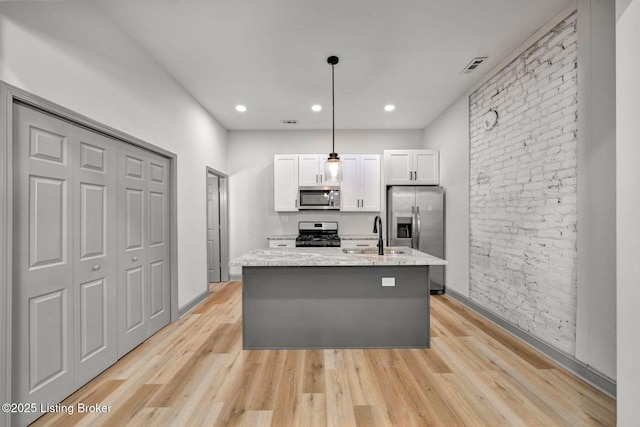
x,y
304,298
335,307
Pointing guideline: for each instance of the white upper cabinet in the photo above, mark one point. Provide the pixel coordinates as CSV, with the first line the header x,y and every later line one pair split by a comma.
x,y
411,167
360,187
311,170
285,182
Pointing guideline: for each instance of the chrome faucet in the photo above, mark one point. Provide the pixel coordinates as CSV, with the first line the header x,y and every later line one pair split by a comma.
x,y
377,228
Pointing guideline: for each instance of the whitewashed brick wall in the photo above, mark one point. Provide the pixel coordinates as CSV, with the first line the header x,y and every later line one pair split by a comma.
x,y
523,190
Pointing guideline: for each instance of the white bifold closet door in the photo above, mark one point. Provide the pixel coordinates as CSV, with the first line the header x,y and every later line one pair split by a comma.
x,y
76,221
143,234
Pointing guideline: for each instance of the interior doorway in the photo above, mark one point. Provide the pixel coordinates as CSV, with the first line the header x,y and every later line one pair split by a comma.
x,y
217,227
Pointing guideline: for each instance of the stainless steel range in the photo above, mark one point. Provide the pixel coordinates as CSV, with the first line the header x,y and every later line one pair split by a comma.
x,y
318,234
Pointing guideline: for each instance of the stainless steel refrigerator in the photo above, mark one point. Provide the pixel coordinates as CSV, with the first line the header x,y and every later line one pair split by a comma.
x,y
415,218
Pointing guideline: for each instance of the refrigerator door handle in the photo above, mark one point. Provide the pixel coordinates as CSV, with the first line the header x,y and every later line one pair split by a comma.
x,y
418,227
413,227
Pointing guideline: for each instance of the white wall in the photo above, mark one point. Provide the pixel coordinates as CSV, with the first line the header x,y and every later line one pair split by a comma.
x,y
449,133
628,206
596,336
595,329
250,160
70,53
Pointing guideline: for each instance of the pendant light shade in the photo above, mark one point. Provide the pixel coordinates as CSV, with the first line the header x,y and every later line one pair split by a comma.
x,y
333,166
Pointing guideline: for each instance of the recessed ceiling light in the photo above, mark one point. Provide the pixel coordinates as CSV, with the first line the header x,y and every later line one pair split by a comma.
x,y
389,107
316,107
241,108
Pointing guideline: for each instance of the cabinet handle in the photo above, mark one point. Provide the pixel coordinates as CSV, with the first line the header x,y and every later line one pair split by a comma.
x,y
366,246
321,177
410,175
96,267
282,244
135,258
415,175
296,203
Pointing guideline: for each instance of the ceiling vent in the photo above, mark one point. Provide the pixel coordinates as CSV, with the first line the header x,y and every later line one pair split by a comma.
x,y
473,64
290,122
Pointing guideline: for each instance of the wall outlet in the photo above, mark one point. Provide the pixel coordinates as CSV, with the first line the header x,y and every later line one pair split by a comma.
x,y
388,281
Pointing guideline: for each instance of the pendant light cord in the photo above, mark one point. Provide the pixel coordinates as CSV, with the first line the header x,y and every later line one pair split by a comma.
x,y
333,112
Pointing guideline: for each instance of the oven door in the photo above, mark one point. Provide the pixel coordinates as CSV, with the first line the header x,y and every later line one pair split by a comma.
x,y
319,198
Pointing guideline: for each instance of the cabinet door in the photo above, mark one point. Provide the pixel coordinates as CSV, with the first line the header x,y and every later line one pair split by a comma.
x,y
309,173
350,187
358,243
398,167
311,170
370,182
426,167
282,243
285,182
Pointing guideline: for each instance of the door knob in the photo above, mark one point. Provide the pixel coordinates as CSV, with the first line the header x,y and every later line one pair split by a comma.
x,y
96,267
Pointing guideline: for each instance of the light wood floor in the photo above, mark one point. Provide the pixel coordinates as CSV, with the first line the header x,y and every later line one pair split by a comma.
x,y
194,372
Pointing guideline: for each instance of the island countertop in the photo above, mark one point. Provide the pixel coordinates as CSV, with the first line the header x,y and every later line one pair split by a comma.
x,y
302,257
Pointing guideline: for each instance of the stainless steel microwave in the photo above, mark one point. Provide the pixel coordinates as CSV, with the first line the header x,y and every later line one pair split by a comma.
x,y
319,198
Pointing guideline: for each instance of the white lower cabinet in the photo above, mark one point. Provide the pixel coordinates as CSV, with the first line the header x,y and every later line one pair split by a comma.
x,y
282,243
358,243
360,187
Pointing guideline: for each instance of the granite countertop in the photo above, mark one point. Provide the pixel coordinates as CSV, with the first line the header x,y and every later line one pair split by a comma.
x,y
302,257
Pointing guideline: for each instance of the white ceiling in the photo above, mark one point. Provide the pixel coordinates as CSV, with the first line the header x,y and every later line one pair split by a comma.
x,y
271,55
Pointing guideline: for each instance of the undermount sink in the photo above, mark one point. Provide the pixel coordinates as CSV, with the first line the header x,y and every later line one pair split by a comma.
x,y
372,251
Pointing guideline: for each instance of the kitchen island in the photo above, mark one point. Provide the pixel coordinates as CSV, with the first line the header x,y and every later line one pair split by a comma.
x,y
326,298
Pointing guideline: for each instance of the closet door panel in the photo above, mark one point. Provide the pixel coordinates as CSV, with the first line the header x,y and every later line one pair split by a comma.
x,y
132,248
95,260
42,259
158,243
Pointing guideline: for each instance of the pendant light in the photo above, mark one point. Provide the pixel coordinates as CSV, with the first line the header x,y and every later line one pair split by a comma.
x,y
333,166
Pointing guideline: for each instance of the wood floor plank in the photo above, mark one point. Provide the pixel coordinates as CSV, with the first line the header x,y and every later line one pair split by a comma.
x,y
266,381
368,416
388,389
194,372
312,412
419,367
433,361
127,409
338,406
313,380
289,390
